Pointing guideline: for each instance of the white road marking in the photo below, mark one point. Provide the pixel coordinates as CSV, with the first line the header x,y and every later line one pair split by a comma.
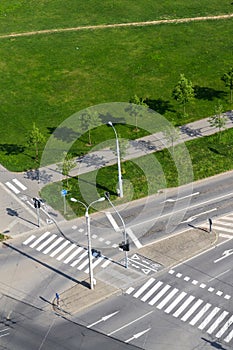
x,y
44,244
137,335
53,245
225,254
168,297
84,254
227,296
229,337
56,251
195,282
192,310
104,318
40,239
85,262
181,198
128,324
224,328
175,302
76,252
200,314
112,221
134,238
211,289
159,295
67,251
171,272
200,214
187,278
217,322
202,285
129,290
94,264
19,184
144,287
222,273
209,318
219,293
28,240
12,187
151,291
183,306
106,263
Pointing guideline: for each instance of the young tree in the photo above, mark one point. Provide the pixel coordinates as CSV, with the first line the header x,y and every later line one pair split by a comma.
x,y
183,91
66,166
218,120
228,80
90,120
35,139
135,110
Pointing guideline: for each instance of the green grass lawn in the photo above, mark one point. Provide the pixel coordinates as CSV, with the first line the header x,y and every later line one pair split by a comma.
x,y
47,78
28,15
209,156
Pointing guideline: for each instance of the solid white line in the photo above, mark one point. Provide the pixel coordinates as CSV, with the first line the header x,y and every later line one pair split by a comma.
x,y
192,310
209,318
40,239
112,221
216,323
200,314
44,244
151,291
134,238
168,297
62,255
29,239
144,287
53,245
183,306
229,337
175,302
128,324
224,328
78,250
219,275
183,209
19,184
56,251
159,295
12,187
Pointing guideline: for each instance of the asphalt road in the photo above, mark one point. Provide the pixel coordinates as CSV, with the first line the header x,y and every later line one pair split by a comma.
x,y
189,307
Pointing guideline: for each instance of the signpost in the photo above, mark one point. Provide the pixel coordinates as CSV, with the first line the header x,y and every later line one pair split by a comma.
x,y
64,193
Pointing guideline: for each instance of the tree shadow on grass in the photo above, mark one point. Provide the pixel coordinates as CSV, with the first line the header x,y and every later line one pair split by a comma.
x,y
159,105
206,93
64,134
11,149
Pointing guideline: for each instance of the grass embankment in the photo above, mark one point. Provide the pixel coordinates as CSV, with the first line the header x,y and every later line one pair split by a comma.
x,y
209,156
47,78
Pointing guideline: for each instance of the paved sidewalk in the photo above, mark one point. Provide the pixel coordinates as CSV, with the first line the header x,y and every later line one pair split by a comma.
x,y
139,147
168,252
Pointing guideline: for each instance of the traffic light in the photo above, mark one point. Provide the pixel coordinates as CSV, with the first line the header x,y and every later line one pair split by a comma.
x,y
124,246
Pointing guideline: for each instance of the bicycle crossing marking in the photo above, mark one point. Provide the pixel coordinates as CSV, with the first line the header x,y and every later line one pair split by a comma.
x,y
186,307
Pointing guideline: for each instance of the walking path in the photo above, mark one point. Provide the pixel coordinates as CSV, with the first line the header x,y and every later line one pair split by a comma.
x,y
117,25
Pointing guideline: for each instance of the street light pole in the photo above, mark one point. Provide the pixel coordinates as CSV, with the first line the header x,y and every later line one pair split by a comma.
x,y
118,161
101,199
124,228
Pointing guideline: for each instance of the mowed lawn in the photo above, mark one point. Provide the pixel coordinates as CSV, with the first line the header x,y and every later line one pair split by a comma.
x,y
28,15
46,78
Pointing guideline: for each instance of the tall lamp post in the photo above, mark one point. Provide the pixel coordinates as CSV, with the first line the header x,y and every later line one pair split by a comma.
x,y
101,199
118,161
124,228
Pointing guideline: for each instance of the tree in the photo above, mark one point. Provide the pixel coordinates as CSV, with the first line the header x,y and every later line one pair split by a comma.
x,y
218,120
66,166
183,91
90,120
135,110
36,138
228,80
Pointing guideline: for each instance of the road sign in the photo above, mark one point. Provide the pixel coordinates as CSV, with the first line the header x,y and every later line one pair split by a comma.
x,y
64,192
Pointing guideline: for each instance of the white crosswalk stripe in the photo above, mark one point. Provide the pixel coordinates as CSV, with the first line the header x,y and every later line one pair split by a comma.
x,y
63,250
186,307
16,187
223,225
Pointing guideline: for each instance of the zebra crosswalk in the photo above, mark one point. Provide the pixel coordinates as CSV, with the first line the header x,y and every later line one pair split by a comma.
x,y
64,250
16,186
188,308
223,225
